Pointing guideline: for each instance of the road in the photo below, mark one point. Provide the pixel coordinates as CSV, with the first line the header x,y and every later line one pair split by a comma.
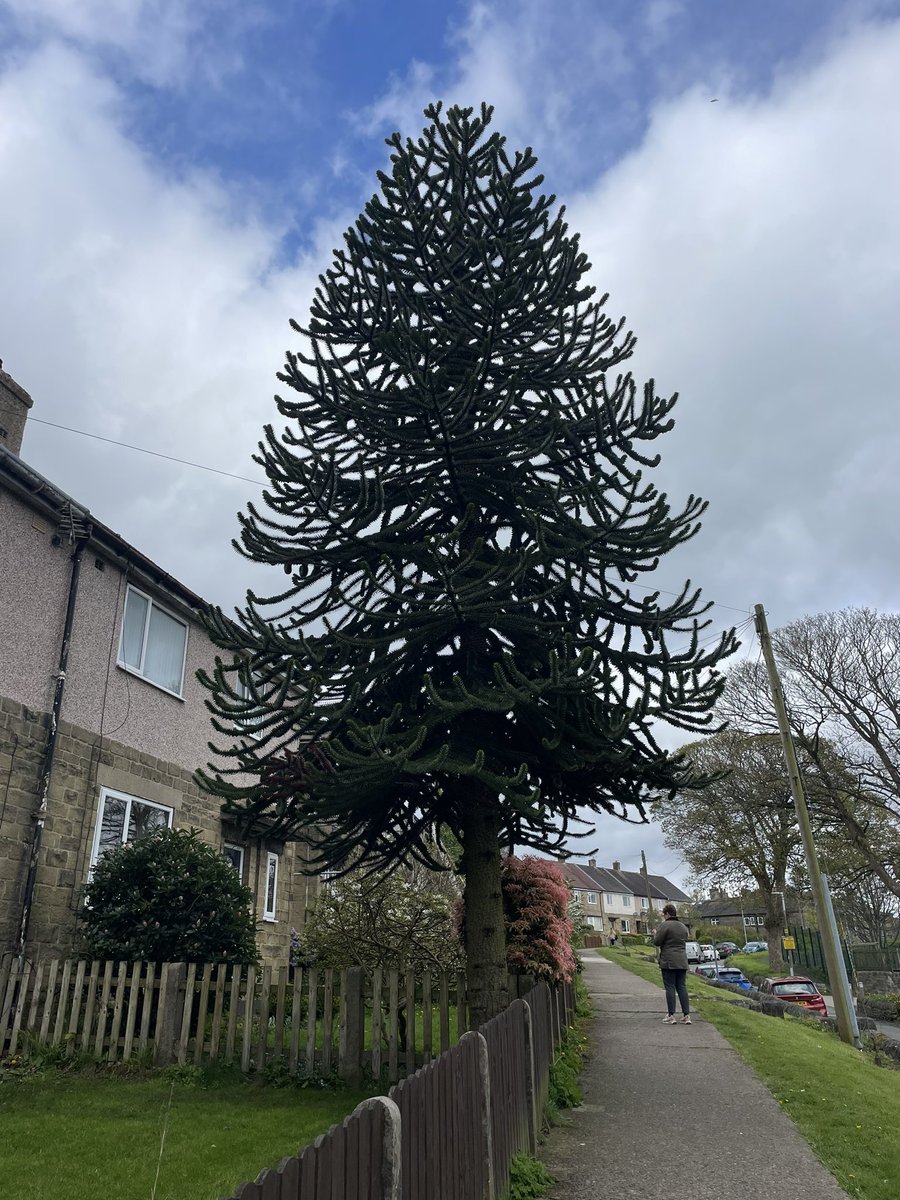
x,y
885,1027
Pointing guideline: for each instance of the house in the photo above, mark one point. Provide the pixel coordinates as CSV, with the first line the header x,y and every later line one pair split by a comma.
x,y
614,901
102,719
747,912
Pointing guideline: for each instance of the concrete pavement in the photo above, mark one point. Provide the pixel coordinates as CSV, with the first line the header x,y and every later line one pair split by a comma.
x,y
671,1112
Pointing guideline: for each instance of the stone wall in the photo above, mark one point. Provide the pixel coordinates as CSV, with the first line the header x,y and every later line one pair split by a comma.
x,y
85,763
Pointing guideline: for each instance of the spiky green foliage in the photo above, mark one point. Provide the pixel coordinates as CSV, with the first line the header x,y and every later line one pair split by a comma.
x,y
458,499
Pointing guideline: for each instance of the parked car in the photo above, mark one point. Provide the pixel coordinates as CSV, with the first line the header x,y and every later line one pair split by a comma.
x,y
725,974
795,989
736,976
726,948
755,947
707,952
692,950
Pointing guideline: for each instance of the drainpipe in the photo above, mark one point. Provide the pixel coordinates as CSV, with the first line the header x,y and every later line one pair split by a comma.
x,y
50,749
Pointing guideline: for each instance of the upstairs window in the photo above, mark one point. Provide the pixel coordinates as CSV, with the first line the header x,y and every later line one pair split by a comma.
x,y
153,642
626,902
576,896
592,898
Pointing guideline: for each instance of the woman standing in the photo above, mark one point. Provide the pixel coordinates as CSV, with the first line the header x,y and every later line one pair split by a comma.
x,y
671,938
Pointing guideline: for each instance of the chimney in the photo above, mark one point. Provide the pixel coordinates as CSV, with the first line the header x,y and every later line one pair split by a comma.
x,y
14,405
617,866
592,862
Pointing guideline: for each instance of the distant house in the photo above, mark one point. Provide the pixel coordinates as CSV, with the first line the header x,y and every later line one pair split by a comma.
x,y
614,901
102,720
746,912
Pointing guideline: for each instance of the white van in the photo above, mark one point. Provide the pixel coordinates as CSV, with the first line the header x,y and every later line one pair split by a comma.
x,y
692,949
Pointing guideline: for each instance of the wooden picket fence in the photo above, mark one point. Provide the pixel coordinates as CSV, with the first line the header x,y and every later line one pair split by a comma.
x,y
462,1105
447,1132
310,1021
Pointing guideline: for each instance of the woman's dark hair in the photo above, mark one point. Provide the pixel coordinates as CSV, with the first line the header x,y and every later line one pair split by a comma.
x,y
669,910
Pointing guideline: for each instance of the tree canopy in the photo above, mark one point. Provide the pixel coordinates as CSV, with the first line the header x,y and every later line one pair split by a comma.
x,y
460,498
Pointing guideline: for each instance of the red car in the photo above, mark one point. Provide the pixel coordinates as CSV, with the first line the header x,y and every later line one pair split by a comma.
x,y
795,989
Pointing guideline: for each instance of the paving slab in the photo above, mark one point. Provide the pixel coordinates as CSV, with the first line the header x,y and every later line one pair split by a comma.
x,y
671,1112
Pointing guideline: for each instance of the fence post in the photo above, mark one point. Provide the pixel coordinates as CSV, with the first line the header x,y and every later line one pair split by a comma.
x,y
530,1090
487,1137
169,1014
350,1043
390,1156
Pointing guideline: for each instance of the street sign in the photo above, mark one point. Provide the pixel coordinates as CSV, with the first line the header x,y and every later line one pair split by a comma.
x,y
788,943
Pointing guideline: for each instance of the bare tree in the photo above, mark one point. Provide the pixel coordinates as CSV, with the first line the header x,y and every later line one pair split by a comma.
x,y
841,677
741,828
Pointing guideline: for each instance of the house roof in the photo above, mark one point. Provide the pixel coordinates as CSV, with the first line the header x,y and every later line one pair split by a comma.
x,y
75,519
726,906
578,878
605,879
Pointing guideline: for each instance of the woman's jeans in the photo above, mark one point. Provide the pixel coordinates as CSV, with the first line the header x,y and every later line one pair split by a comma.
x,y
674,981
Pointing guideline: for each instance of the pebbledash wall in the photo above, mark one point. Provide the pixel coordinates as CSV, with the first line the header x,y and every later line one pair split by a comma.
x,y
122,740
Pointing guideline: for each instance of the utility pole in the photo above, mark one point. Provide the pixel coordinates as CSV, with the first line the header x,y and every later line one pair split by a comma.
x,y
834,959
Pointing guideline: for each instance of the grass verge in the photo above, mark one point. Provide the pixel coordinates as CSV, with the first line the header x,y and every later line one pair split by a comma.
x,y
71,1135
846,1107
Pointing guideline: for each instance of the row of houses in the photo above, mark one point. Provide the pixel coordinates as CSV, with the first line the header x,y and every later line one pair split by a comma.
x,y
613,901
102,719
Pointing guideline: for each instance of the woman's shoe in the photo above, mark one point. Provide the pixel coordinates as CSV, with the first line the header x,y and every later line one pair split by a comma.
x,y
669,1020
685,1020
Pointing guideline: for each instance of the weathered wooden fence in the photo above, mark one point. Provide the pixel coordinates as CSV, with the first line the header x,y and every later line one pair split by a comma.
x,y
356,1160
309,1021
447,1132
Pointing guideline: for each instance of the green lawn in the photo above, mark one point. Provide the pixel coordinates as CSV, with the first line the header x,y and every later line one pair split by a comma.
x,y
847,1108
94,1134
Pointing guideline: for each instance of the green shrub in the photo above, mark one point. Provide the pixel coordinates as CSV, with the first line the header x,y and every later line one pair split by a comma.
x,y
528,1178
168,897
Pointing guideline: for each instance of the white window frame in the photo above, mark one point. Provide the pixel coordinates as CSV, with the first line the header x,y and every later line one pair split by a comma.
x,y
626,926
626,901
592,897
139,671
269,914
749,922
645,903
576,895
240,850
248,730
129,800
610,899
713,920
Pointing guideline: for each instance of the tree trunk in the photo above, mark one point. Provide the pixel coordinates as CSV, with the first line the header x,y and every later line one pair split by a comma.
x,y
485,931
774,927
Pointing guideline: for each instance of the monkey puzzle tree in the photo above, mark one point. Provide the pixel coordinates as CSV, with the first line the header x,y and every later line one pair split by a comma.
x,y
458,500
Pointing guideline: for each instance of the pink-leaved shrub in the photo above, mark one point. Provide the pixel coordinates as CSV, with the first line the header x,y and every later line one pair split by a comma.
x,y
538,926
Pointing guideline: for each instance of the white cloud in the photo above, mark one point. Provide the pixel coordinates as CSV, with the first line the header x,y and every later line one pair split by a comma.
x,y
160,39
146,308
754,246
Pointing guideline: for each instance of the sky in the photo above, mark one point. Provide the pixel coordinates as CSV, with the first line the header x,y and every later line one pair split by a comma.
x,y
175,173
